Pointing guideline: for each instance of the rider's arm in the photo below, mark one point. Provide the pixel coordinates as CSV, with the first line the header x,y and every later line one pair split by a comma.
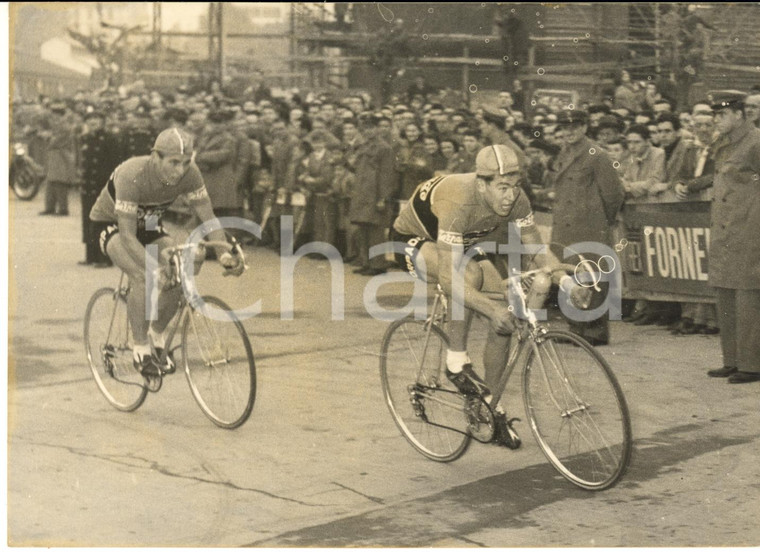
x,y
127,223
547,260
196,196
205,212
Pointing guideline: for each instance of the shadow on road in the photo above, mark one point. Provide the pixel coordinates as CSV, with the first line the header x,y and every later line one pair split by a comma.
x,y
498,501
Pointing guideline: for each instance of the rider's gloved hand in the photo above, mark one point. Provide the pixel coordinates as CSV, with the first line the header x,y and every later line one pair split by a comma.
x,y
166,279
579,296
233,264
503,321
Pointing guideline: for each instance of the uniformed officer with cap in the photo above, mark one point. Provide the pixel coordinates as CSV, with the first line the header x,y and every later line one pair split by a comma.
x,y
588,196
494,132
734,267
98,155
139,135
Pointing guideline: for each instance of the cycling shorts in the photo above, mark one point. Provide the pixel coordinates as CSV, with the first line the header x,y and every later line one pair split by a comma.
x,y
107,230
412,244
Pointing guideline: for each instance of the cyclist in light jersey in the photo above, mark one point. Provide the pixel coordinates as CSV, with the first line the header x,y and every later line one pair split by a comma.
x,y
128,214
446,217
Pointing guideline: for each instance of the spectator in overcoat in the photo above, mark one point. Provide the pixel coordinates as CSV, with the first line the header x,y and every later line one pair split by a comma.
x,y
734,245
588,197
60,162
371,198
216,158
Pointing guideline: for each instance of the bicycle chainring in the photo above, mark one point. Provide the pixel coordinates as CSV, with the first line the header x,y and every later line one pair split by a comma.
x,y
479,418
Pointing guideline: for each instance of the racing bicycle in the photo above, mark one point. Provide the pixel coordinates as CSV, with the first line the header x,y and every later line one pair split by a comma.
x,y
574,404
215,350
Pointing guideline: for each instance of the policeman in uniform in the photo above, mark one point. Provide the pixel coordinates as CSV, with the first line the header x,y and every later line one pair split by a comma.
x,y
139,135
99,156
734,246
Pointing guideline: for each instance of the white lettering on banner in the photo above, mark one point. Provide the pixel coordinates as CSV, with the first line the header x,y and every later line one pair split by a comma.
x,y
676,253
699,253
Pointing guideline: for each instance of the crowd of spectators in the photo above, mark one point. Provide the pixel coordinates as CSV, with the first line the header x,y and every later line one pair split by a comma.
x,y
342,166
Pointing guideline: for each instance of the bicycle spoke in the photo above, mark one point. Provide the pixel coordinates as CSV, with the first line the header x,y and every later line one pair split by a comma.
x,y
108,345
577,411
420,401
219,366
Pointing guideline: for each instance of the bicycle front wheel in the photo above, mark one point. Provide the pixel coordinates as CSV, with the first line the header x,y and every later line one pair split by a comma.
x,y
424,404
577,410
219,364
108,345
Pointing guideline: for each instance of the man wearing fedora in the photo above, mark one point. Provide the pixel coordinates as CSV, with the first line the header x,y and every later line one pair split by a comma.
x,y
588,196
734,246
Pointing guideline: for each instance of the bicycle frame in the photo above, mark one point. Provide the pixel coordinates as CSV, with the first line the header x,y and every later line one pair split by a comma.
x,y
189,300
527,331
575,406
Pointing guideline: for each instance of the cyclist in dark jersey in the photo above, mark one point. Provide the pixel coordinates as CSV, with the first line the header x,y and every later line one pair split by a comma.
x,y
445,218
128,214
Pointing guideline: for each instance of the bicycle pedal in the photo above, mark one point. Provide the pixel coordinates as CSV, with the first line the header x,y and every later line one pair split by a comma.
x,y
153,383
108,351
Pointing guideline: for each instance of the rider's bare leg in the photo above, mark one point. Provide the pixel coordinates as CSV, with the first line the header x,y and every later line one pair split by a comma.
x,y
459,328
168,299
495,357
136,298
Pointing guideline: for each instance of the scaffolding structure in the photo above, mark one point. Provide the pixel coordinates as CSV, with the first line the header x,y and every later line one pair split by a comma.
x,y
330,46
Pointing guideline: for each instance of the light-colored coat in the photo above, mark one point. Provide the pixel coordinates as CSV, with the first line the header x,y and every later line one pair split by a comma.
x,y
61,159
645,176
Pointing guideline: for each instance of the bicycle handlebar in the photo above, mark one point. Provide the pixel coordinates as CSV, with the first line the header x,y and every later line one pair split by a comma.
x,y
170,252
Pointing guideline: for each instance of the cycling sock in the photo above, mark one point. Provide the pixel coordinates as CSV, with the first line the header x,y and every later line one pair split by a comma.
x,y
455,360
139,351
157,339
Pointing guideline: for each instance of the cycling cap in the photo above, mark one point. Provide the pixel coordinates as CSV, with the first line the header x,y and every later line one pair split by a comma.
x,y
496,160
174,141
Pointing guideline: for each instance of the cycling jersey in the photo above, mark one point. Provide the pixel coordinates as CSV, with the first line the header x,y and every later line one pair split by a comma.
x,y
449,209
135,188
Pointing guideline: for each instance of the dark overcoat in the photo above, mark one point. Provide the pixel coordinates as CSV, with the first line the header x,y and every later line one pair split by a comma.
x,y
734,254
216,158
589,194
375,181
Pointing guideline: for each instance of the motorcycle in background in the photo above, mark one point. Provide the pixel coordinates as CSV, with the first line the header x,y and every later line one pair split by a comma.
x,y
26,175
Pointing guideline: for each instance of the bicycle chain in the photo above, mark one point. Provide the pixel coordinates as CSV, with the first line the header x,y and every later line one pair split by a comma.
x,y
475,422
151,383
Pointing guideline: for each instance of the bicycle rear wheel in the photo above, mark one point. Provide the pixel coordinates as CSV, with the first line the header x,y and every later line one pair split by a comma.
x,y
417,392
219,364
577,410
108,345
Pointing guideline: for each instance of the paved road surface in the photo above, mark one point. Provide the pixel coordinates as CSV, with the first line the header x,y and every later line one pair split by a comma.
x,y
320,463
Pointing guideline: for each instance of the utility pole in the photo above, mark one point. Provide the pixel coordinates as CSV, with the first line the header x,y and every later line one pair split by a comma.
x,y
216,40
292,48
657,37
157,34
